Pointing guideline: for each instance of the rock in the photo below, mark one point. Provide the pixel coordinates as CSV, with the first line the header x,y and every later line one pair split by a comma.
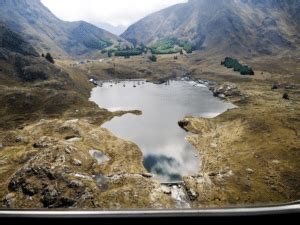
x,y
99,156
75,184
14,185
77,162
226,90
183,124
68,151
166,190
29,190
290,86
73,139
286,96
147,175
250,171
193,195
50,197
10,196
9,200
213,174
19,139
66,202
1,145
40,144
222,96
213,145
276,161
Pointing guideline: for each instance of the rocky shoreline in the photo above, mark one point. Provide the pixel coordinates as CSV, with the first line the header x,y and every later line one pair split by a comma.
x,y
236,153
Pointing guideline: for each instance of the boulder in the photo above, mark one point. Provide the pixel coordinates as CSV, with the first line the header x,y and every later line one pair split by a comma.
x,y
226,90
193,195
29,190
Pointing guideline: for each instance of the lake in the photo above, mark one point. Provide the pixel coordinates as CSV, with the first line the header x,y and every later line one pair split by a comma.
x,y
167,154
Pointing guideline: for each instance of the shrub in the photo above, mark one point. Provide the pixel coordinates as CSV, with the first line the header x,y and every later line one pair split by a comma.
x,y
49,58
153,58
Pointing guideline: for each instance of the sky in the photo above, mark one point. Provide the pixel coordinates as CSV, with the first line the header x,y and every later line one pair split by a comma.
x,y
113,12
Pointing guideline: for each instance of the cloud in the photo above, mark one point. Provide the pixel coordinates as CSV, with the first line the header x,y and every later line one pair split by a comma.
x,y
114,12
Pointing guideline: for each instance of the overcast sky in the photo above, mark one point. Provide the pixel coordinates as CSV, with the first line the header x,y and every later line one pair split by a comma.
x,y
114,12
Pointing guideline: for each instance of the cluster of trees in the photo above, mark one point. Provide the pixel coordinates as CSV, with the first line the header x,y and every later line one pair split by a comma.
x,y
98,44
171,46
187,46
49,57
128,52
237,67
165,46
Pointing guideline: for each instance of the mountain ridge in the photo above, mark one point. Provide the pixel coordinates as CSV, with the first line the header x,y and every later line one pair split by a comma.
x,y
231,26
40,27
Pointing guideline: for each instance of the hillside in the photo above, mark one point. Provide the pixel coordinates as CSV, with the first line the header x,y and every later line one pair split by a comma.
x,y
42,29
231,26
30,86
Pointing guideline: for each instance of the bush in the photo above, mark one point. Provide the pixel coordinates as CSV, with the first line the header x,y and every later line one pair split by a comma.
x,y
49,58
153,58
237,67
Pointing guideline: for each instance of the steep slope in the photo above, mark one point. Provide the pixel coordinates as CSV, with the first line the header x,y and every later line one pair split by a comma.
x,y
30,86
237,26
32,20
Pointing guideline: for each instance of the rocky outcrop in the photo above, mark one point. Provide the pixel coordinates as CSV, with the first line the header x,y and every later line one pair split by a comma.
x,y
183,124
226,90
48,171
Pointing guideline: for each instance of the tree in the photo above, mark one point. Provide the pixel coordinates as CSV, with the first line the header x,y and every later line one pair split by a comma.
x,y
49,58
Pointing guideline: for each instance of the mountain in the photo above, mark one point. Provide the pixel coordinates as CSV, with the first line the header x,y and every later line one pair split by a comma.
x,y
32,20
117,30
236,26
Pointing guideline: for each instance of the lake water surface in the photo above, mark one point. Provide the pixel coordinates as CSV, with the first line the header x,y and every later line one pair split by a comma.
x,y
167,154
